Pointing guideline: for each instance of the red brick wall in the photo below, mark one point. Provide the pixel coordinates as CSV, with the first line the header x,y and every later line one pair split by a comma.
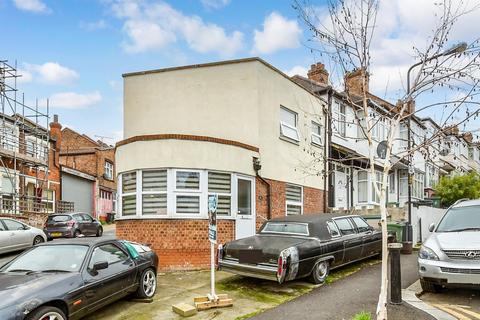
x,y
181,244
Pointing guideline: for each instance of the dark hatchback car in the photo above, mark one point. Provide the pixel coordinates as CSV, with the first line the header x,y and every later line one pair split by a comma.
x,y
69,279
301,246
72,225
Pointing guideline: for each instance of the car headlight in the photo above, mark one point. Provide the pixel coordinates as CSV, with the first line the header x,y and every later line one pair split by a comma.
x,y
427,253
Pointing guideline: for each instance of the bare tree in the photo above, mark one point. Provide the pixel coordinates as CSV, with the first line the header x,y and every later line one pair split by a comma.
x,y
345,39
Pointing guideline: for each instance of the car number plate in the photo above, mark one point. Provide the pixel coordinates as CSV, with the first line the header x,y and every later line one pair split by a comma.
x,y
250,256
56,234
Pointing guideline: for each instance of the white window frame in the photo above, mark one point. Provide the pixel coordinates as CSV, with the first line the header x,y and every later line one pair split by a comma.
x,y
154,193
108,170
294,128
418,186
403,132
223,194
366,181
135,193
12,146
340,118
293,203
392,182
316,135
189,193
403,179
46,200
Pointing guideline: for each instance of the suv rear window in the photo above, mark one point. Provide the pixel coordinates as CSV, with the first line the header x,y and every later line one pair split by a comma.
x,y
60,218
286,227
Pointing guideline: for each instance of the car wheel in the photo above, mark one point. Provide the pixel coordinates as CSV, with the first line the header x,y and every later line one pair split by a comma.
x,y
428,286
77,233
47,312
148,284
37,240
320,272
99,232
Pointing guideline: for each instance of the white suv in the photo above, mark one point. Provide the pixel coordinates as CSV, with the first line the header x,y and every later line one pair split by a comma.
x,y
451,255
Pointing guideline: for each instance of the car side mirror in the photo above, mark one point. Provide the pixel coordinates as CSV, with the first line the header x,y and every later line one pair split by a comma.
x,y
26,228
431,227
100,266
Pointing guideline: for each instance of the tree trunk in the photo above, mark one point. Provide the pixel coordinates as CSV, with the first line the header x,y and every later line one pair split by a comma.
x,y
382,299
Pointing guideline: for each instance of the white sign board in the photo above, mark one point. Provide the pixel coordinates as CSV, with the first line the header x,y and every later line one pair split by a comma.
x,y
212,217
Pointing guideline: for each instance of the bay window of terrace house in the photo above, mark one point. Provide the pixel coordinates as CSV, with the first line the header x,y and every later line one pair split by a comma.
x,y
293,200
339,118
403,136
288,125
154,192
403,182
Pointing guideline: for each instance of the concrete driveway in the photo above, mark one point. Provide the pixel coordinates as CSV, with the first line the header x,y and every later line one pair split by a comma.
x,y
459,302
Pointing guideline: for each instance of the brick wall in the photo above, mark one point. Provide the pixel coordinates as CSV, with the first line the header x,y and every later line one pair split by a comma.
x,y
182,244
33,219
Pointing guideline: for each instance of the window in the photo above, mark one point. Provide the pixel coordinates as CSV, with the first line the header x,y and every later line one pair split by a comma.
x,y
244,196
362,189
340,118
362,226
403,180
333,229
431,176
188,180
2,228
187,185
288,124
221,184
36,147
108,170
294,199
391,182
107,253
129,198
418,183
316,134
13,225
286,227
345,226
48,200
154,192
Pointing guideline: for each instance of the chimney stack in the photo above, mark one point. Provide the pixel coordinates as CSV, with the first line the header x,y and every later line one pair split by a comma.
x,y
318,73
354,81
56,134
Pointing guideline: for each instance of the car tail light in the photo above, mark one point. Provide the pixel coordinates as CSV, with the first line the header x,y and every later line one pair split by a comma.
x,y
71,223
281,266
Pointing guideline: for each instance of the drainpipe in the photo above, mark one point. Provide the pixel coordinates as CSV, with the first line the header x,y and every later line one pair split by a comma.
x,y
257,166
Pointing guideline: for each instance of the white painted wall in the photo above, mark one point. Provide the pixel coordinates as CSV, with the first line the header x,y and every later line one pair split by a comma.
x,y
427,215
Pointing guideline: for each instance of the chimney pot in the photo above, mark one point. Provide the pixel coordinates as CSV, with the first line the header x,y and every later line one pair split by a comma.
x,y
318,73
55,118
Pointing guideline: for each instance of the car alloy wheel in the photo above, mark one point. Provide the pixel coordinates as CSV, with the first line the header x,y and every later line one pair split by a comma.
x,y
99,232
320,272
149,283
37,240
52,316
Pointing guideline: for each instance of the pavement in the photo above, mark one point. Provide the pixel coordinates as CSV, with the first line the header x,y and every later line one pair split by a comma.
x,y
461,303
349,296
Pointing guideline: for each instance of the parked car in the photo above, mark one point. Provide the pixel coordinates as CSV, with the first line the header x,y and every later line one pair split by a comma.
x,y
301,246
451,254
16,235
72,225
70,278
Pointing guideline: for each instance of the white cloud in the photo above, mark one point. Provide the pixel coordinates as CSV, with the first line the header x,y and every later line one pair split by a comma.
x,y
25,76
51,73
73,100
94,25
297,70
215,4
152,26
278,33
36,6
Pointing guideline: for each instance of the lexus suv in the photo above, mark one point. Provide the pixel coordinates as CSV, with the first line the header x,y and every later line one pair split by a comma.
x,y
451,255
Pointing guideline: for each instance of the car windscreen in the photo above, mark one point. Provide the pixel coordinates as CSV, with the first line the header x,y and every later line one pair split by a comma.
x,y
460,219
287,228
60,218
66,258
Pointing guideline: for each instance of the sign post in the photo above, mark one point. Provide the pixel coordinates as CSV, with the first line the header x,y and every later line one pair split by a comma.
x,y
212,236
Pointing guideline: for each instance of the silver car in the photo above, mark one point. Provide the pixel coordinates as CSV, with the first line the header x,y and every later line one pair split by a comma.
x,y
451,255
16,235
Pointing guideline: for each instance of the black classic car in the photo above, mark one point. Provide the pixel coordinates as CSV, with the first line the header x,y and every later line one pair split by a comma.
x,y
301,246
69,279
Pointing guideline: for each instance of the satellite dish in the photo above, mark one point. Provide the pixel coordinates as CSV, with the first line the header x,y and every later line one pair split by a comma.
x,y
382,149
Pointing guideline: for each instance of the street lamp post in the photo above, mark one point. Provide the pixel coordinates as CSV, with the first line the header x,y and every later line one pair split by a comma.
x,y
461,47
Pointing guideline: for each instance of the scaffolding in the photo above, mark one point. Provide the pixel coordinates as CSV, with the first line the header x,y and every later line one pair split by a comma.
x,y
24,149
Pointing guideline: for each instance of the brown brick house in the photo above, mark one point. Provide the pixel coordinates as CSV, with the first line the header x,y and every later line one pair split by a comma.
x,y
87,169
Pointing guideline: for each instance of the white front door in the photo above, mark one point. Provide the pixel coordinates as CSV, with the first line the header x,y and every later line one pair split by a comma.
x,y
340,190
245,222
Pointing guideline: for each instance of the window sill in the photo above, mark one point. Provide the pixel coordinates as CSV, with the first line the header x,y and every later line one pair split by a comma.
x,y
316,145
153,217
290,140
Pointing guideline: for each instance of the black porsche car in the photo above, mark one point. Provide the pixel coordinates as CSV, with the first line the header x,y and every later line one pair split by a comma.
x,y
69,279
301,246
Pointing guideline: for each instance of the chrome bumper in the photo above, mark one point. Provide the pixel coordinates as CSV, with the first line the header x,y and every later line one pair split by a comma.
x,y
445,272
254,271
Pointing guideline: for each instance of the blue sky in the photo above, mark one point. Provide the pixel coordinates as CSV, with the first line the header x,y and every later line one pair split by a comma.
x,y
75,51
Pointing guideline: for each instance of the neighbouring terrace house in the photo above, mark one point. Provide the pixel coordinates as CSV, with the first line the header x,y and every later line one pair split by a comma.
x,y
241,129
88,174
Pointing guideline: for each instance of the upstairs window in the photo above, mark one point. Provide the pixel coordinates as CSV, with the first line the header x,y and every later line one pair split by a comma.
x,y
288,124
316,134
108,170
340,118
294,199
